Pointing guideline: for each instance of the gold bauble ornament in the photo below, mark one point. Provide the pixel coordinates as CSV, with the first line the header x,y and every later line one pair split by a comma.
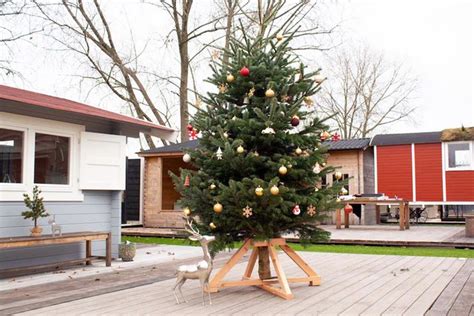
x,y
274,190
212,225
230,78
279,36
218,207
298,151
212,186
259,191
240,149
269,93
308,101
338,175
282,170
344,191
186,211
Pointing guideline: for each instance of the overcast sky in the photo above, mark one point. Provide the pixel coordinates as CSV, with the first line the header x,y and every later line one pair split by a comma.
x,y
432,38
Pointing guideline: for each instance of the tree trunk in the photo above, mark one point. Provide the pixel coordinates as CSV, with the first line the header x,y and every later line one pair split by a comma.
x,y
264,271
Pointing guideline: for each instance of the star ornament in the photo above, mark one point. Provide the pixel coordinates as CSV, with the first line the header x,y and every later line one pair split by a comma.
x,y
247,211
311,210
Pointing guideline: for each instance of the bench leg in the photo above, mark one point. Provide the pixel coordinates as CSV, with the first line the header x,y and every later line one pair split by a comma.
x,y
88,251
108,251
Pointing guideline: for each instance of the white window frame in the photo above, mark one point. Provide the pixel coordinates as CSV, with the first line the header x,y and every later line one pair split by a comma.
x,y
30,126
446,151
17,186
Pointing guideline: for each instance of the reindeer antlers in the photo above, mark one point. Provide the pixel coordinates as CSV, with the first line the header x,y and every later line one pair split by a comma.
x,y
189,227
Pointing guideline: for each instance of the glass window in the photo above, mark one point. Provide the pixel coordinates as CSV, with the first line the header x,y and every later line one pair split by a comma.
x,y
459,155
51,159
11,156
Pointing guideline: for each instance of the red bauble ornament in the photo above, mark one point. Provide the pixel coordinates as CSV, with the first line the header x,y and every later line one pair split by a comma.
x,y
295,120
348,209
244,71
189,127
187,181
296,210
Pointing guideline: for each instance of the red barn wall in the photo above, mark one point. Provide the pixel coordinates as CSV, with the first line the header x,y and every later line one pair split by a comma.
x,y
429,172
394,172
460,185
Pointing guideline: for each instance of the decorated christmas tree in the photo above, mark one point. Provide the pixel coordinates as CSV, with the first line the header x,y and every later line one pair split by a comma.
x,y
260,161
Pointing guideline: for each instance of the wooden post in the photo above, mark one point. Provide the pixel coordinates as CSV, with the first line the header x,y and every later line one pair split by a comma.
x,y
407,216
88,251
338,219
108,250
346,220
377,214
401,213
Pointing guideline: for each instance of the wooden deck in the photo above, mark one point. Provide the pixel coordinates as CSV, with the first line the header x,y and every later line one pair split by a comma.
x,y
351,285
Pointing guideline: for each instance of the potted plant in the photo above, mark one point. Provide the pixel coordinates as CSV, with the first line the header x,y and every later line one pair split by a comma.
x,y
37,210
127,251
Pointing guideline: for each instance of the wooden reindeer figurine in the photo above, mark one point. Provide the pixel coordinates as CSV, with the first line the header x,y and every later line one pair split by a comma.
x,y
201,270
55,228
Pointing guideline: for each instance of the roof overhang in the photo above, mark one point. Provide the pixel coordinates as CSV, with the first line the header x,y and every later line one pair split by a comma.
x,y
30,103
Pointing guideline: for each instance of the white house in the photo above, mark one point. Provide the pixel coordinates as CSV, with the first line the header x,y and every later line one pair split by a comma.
x,y
76,154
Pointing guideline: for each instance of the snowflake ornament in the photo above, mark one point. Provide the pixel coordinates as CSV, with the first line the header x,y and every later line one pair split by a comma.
x,y
247,211
311,210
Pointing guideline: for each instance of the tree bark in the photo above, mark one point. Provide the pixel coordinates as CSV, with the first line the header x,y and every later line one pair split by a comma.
x,y
264,271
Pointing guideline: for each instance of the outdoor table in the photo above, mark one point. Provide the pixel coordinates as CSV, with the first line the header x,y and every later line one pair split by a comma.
x,y
403,204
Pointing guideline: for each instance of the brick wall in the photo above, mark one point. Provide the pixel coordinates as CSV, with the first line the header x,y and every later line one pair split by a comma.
x,y
154,214
349,162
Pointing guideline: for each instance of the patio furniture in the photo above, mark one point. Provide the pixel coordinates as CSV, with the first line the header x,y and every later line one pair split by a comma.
x,y
403,205
88,237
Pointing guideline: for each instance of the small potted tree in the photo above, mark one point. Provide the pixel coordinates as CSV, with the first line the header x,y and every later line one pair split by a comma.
x,y
37,210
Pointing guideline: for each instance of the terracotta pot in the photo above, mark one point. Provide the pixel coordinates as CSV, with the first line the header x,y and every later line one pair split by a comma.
x,y
36,231
127,251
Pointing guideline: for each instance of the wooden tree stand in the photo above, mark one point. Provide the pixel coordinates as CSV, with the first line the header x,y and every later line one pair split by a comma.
x,y
284,290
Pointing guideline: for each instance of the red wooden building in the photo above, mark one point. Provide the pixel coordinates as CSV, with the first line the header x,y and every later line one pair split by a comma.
x,y
427,169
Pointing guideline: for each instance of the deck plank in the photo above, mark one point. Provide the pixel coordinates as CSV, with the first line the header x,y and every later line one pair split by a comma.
x,y
351,285
448,297
464,303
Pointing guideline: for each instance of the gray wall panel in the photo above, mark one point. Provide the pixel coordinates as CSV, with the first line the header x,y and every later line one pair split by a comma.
x,y
100,211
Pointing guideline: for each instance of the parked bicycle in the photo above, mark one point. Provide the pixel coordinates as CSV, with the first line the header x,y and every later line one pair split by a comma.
x,y
418,215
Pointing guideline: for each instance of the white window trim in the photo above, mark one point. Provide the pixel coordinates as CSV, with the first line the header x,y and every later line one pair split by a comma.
x,y
30,126
446,162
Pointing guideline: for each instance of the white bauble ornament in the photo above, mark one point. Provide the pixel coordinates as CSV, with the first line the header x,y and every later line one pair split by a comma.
x,y
186,157
240,149
338,175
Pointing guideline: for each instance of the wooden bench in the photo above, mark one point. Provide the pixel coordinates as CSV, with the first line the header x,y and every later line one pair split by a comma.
x,y
88,237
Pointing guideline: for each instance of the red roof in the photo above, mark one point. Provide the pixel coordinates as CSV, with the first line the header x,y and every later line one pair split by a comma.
x,y
60,104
